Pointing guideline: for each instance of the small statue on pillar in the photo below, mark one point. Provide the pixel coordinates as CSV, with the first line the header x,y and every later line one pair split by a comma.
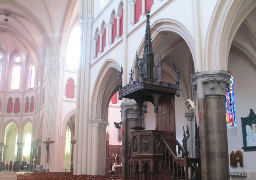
x,y
186,135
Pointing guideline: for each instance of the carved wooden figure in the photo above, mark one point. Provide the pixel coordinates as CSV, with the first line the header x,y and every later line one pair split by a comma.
x,y
48,142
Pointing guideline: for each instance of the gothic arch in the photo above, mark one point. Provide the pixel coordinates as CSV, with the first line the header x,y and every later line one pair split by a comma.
x,y
7,123
227,18
103,91
65,122
169,25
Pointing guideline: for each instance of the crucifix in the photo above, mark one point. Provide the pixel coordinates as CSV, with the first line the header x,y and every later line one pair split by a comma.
x,y
48,142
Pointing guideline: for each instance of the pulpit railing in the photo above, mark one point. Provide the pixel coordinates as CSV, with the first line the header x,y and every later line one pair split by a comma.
x,y
180,167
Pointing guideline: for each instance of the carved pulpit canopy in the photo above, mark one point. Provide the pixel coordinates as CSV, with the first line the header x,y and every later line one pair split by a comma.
x,y
146,87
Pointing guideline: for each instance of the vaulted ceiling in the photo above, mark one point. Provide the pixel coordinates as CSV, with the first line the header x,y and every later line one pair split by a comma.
x,y
35,26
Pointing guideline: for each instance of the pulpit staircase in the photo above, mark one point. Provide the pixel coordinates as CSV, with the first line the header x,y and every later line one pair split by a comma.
x,y
177,166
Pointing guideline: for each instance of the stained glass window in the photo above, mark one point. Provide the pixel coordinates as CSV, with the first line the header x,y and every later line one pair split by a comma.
x,y
68,139
17,59
230,105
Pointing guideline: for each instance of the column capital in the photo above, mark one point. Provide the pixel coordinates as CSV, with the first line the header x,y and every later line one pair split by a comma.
x,y
189,115
214,82
98,123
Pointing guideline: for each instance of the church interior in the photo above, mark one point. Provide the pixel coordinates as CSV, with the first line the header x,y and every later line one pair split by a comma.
x,y
128,89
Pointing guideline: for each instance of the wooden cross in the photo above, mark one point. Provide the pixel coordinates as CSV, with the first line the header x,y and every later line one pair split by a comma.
x,y
48,142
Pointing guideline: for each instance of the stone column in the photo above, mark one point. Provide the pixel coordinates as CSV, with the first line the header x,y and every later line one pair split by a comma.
x,y
72,155
143,8
38,151
110,29
190,116
20,151
82,156
211,88
132,12
130,118
94,55
101,41
98,146
5,151
1,151
118,26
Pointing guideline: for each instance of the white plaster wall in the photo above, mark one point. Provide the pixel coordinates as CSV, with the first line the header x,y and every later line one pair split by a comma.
x,y
244,75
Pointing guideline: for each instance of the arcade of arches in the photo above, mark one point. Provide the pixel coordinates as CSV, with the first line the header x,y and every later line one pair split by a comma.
x,y
64,65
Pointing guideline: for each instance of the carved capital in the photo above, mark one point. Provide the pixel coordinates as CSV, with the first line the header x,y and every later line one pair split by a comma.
x,y
98,123
214,82
189,116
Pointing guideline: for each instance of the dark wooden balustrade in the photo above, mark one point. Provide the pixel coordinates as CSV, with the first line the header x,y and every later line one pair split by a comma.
x,y
180,167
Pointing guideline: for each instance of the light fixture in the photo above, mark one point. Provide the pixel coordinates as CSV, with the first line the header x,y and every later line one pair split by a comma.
x,y
6,20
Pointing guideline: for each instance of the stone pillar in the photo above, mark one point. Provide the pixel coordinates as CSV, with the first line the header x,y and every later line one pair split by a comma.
x,y
130,118
72,155
101,41
94,55
118,26
20,151
110,29
211,88
82,156
190,116
98,146
132,12
38,151
143,8
5,151
1,151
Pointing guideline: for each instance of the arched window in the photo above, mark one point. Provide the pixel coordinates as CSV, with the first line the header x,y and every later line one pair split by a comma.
x,y
74,48
17,106
32,105
16,78
17,59
70,89
68,139
1,56
230,105
10,106
104,36
32,74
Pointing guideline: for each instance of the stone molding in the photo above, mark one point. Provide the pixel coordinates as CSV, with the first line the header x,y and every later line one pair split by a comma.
x,y
86,18
189,116
214,82
98,123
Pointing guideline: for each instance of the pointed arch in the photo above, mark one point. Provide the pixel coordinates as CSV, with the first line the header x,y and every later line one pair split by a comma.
x,y
70,88
10,106
104,89
17,106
